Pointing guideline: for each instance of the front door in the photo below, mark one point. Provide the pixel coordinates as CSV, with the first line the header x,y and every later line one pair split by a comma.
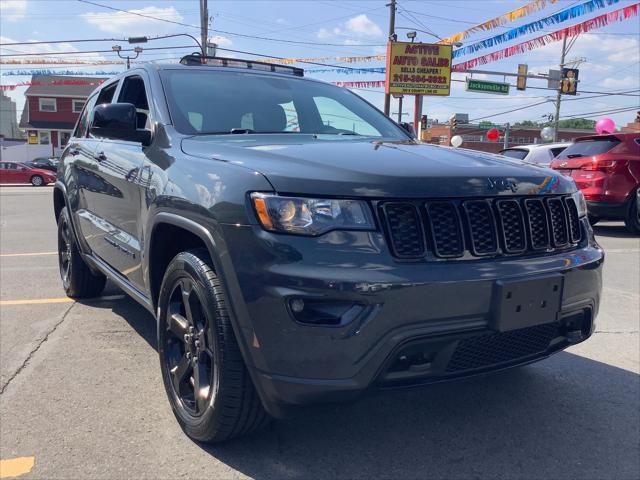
x,y
118,206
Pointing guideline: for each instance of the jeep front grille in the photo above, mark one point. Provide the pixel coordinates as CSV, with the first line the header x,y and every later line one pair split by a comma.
x,y
457,228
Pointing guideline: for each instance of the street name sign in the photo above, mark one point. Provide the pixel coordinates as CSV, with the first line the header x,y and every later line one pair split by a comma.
x,y
483,86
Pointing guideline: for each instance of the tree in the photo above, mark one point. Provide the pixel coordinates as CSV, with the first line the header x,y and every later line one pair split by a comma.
x,y
527,123
581,123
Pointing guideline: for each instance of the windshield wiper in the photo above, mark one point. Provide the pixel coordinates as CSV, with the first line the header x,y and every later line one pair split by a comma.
x,y
241,130
575,155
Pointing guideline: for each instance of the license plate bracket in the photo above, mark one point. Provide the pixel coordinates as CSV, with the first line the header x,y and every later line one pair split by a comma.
x,y
526,303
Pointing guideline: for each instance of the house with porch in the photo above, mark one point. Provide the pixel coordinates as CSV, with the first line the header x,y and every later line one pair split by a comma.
x,y
53,104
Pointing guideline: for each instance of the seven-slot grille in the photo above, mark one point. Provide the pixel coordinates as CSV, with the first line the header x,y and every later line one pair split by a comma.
x,y
481,227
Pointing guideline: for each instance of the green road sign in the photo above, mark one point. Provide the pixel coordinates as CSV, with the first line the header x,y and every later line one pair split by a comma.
x,y
483,86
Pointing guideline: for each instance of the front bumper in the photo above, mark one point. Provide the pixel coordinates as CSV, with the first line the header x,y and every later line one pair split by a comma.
x,y
435,309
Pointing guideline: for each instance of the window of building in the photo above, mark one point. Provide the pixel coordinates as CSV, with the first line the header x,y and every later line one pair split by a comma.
x,y
64,138
76,105
48,105
44,137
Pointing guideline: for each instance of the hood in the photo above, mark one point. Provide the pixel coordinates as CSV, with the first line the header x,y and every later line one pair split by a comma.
x,y
309,165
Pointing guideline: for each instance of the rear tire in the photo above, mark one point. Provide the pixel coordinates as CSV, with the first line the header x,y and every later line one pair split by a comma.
x,y
632,221
205,377
78,280
37,181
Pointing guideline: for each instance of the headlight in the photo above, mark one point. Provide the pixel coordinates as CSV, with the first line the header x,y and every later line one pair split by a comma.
x,y
578,197
311,216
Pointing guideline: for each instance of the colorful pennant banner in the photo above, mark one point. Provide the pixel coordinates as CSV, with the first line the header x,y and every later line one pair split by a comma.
x,y
560,17
347,71
74,73
523,11
600,21
363,84
72,81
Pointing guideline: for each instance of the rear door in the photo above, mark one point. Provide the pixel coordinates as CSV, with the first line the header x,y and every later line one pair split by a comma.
x,y
118,207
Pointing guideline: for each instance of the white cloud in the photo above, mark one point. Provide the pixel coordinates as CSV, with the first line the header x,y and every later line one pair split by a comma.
x,y
13,10
362,26
619,83
282,21
128,23
221,41
353,30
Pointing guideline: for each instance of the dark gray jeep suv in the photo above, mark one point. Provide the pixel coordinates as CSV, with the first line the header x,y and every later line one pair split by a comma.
x,y
297,246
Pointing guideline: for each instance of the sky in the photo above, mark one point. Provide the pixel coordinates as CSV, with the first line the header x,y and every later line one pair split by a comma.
x,y
336,28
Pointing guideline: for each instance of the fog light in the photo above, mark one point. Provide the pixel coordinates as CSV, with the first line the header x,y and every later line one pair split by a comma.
x,y
297,305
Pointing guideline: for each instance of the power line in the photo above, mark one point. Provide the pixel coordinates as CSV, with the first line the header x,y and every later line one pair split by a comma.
x,y
226,32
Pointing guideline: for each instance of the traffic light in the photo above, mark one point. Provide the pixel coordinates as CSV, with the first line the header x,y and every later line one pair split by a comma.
x,y
454,123
521,82
423,122
569,82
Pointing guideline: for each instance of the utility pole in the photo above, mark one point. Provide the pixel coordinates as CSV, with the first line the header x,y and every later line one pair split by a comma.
x,y
506,135
392,35
559,94
204,26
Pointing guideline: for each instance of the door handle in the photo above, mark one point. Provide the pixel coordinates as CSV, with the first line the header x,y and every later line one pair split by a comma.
x,y
100,156
74,151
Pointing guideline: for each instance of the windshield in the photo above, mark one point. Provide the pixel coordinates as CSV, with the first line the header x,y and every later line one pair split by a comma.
x,y
222,102
515,153
589,148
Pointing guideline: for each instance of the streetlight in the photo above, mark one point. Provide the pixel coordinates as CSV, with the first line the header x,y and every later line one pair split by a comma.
x,y
412,36
118,49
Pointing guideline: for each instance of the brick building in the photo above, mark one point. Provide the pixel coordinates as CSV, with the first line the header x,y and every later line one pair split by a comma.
x,y
53,104
475,137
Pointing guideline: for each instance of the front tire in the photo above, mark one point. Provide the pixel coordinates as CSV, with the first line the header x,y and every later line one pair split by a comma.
x,y
78,280
37,181
632,221
206,380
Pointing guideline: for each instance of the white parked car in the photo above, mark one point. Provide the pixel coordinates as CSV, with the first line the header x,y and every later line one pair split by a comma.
x,y
540,153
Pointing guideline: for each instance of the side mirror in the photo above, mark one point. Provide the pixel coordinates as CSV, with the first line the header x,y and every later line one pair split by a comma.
x,y
408,127
118,121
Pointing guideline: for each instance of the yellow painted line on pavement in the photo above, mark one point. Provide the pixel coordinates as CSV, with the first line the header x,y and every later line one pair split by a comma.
x,y
15,467
27,254
36,301
44,301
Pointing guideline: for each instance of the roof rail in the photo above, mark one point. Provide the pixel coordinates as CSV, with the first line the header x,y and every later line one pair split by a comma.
x,y
198,59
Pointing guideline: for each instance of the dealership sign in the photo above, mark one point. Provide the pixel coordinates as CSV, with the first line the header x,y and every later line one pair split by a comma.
x,y
483,86
418,68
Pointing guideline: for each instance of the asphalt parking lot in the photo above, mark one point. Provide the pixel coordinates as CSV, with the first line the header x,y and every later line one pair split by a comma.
x,y
82,395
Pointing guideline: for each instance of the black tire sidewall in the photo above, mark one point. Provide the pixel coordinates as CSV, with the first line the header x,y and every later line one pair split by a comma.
x,y
632,222
185,265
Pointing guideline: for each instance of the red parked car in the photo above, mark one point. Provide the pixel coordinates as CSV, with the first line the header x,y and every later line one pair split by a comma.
x,y
607,170
14,172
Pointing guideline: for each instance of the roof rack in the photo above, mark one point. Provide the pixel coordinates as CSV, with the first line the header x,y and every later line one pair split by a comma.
x,y
199,59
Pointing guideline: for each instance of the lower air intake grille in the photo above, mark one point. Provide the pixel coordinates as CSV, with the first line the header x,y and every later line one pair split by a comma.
x,y
496,348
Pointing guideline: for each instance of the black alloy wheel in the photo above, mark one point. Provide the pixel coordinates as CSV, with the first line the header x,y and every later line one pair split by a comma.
x,y
78,280
64,251
207,382
189,349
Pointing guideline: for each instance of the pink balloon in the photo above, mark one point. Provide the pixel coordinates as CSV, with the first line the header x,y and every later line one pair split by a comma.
x,y
605,125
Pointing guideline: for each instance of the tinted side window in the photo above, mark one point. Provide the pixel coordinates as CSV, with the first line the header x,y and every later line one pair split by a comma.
x,y
106,94
83,120
515,153
133,92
